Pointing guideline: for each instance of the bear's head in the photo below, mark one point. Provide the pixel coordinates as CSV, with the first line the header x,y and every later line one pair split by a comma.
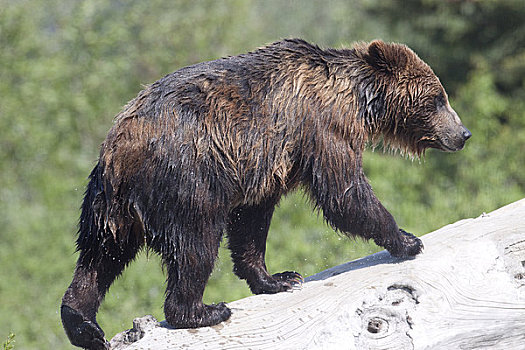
x,y
410,106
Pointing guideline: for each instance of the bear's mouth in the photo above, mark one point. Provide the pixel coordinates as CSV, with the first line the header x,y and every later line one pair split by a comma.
x,y
441,145
448,146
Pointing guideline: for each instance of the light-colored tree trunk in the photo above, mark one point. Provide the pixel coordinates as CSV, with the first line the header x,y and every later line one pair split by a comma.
x,y
466,291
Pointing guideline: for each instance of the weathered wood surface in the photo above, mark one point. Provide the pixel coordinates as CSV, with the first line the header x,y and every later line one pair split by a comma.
x,y
466,291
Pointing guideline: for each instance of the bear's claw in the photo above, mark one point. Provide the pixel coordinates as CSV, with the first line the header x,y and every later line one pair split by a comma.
x,y
202,316
216,313
293,278
407,246
279,282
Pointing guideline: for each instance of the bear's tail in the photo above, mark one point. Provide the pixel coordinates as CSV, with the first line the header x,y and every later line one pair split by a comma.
x,y
105,220
90,233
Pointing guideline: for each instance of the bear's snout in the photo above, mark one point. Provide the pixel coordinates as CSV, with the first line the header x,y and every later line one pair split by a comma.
x,y
451,132
453,138
466,134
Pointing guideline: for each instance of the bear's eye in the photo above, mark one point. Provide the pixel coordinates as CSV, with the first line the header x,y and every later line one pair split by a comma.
x,y
440,100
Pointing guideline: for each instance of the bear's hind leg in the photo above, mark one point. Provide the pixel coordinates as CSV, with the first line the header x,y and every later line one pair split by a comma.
x,y
189,263
96,270
247,231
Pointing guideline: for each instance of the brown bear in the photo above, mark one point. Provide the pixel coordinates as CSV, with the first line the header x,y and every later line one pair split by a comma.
x,y
211,148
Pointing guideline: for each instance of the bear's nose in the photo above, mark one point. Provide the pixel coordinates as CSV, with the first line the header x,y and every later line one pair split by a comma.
x,y
466,134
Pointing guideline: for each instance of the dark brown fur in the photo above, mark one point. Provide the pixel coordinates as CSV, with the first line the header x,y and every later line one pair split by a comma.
x,y
211,148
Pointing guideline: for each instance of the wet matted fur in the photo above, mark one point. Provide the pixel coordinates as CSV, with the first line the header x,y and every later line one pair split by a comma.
x,y
212,147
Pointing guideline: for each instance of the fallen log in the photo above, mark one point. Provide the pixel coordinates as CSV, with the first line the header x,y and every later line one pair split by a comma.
x,y
466,291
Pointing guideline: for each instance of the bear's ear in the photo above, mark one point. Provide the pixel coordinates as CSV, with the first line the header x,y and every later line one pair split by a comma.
x,y
387,58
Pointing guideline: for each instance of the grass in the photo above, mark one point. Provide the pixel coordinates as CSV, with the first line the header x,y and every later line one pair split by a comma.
x,y
9,344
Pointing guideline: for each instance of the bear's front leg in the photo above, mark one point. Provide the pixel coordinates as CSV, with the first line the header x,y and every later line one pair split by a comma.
x,y
247,231
352,208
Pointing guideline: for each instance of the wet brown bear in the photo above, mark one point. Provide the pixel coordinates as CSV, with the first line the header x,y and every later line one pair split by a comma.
x,y
211,148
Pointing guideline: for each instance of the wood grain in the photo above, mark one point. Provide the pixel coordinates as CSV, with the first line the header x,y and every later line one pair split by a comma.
x,y
466,291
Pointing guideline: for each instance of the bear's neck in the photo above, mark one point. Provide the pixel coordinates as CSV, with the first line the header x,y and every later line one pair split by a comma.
x,y
372,99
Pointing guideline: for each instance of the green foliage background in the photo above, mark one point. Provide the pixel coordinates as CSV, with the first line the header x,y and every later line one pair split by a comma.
x,y
67,67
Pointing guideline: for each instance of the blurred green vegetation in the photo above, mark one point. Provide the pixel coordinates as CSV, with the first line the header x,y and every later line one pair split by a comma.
x,y
67,67
9,342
